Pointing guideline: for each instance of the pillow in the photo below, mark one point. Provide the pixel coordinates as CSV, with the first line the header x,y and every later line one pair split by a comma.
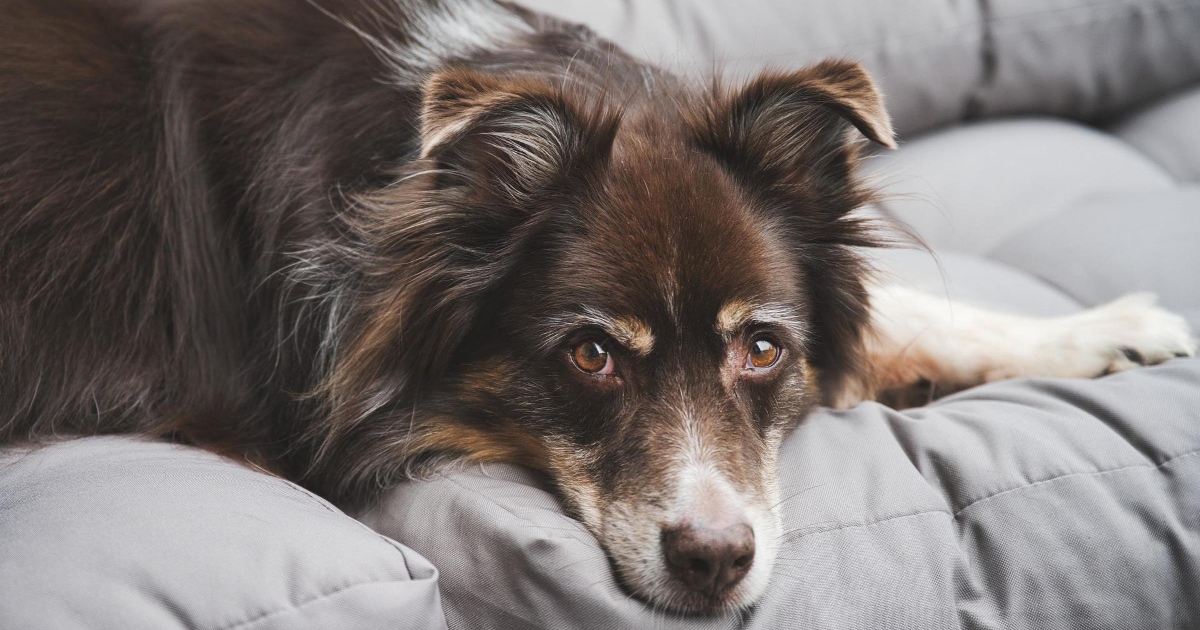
x,y
938,62
1023,504
124,534
1087,59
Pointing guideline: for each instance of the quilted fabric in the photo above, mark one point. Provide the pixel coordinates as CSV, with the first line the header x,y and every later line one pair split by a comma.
x,y
124,534
1037,504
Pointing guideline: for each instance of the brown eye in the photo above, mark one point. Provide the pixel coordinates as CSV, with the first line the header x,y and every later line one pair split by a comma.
x,y
763,354
591,357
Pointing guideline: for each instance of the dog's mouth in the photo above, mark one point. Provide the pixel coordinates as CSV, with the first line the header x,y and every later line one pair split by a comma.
x,y
697,545
697,566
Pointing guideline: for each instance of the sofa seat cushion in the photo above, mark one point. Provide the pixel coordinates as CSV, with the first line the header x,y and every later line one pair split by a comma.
x,y
1169,133
1104,247
972,187
124,534
1024,504
1083,211
971,279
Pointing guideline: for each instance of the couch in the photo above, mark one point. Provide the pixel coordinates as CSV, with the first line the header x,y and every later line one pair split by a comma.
x,y
1051,161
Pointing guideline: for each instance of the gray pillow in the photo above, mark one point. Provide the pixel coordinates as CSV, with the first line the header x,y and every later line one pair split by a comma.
x,y
970,188
123,534
1024,504
938,62
1118,244
1169,132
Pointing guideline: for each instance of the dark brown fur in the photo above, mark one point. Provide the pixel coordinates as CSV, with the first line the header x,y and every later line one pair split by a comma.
x,y
228,222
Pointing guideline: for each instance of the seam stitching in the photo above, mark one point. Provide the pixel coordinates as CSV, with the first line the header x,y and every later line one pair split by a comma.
x,y
1096,473
864,524
298,605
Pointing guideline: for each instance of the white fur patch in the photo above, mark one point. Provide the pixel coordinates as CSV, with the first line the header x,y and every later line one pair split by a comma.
x,y
916,336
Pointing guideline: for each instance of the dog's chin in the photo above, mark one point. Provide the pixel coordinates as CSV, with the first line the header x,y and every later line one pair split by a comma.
x,y
668,594
642,569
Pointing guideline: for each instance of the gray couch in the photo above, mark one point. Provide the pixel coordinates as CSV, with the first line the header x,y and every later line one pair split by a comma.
x,y
1051,159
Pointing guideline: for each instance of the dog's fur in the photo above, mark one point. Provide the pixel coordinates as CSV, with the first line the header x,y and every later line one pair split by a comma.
x,y
343,238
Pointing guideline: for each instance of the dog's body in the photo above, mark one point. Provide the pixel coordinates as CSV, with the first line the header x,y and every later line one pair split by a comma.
x,y
344,237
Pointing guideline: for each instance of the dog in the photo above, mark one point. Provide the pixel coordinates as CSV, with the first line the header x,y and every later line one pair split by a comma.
x,y
347,239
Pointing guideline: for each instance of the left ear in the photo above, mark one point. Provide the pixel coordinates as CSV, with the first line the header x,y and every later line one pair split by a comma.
x,y
793,140
794,132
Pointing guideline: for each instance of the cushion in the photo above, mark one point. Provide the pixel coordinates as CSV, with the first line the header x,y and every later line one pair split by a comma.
x,y
1087,59
973,280
1104,247
972,187
938,62
122,534
1024,504
1169,133
924,54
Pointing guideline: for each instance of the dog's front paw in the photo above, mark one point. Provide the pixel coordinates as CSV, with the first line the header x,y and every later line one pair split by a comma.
x,y
1134,331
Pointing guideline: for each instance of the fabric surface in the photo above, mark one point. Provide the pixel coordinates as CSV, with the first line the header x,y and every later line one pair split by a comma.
x,y
1025,504
123,534
938,62
1086,59
1104,247
973,280
1168,133
969,188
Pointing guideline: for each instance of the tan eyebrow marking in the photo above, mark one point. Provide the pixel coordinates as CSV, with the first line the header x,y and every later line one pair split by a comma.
x,y
737,314
631,332
732,316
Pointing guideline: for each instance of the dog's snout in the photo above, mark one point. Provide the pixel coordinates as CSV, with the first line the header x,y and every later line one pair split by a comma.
x,y
709,560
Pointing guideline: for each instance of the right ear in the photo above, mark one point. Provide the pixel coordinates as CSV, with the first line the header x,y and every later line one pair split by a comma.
x,y
511,136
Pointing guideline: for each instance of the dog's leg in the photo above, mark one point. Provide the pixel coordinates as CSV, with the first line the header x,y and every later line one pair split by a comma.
x,y
922,346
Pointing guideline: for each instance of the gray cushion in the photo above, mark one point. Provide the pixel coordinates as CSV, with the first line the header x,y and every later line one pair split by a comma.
x,y
1105,247
938,62
1169,132
972,187
973,280
122,534
1087,59
1024,504
925,54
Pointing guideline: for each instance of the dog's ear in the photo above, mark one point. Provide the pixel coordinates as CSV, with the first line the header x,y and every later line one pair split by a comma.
x,y
793,132
502,158
508,136
793,140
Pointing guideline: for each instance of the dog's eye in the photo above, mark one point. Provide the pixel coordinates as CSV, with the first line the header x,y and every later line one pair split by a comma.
x,y
763,354
591,357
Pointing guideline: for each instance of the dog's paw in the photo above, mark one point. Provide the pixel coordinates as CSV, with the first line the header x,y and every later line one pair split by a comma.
x,y
1133,331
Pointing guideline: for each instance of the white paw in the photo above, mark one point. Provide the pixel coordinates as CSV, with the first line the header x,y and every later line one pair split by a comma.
x,y
1130,332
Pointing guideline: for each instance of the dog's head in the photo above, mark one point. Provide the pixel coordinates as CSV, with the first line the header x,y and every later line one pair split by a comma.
x,y
641,303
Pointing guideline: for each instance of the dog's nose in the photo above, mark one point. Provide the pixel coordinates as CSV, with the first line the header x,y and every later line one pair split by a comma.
x,y
709,560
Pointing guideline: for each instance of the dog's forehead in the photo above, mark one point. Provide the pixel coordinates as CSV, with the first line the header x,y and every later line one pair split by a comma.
x,y
672,241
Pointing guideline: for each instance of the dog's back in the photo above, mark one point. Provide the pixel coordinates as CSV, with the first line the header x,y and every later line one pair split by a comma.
x,y
169,170
157,159
94,286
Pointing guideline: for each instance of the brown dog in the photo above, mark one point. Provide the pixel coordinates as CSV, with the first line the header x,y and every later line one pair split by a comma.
x,y
346,238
